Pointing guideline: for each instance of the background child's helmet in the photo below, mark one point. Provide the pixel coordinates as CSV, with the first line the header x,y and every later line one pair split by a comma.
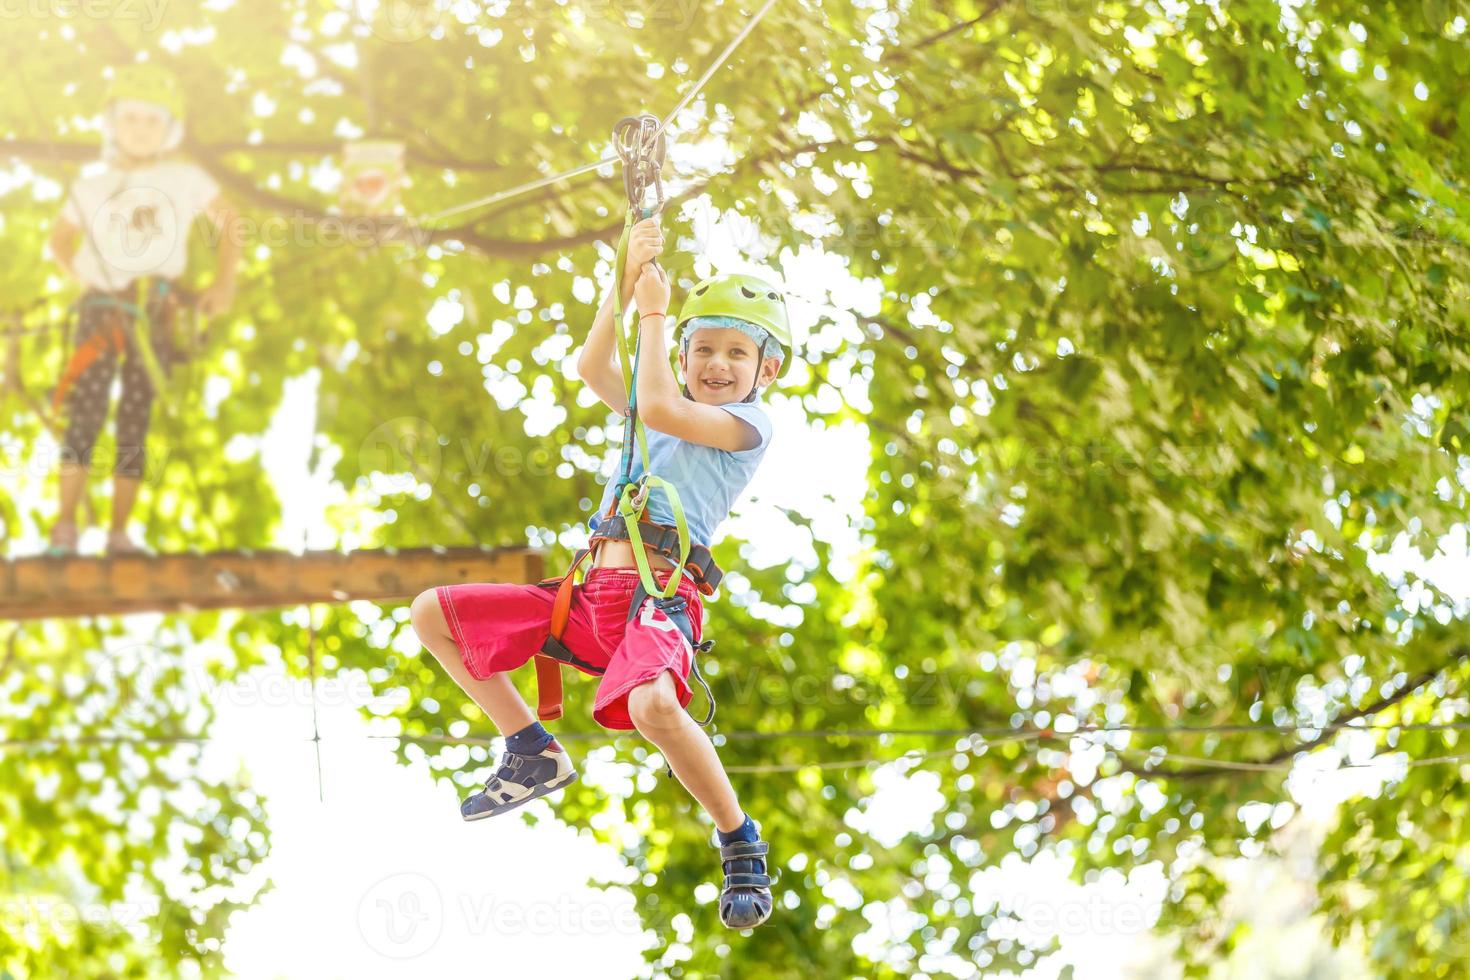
x,y
145,83
744,298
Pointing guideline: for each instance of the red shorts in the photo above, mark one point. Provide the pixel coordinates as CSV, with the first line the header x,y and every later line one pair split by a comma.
x,y
500,627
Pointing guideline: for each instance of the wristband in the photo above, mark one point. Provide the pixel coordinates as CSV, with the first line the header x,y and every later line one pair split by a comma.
x,y
659,313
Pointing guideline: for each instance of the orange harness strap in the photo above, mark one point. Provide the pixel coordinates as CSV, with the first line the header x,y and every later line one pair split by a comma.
x,y
548,688
109,338
548,667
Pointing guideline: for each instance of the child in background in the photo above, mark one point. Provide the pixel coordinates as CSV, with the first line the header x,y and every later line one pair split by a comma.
x,y
123,234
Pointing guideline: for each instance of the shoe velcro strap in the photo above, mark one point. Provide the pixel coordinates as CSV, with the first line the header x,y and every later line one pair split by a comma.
x,y
747,881
744,849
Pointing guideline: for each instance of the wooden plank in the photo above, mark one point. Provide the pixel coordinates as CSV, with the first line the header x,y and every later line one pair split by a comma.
x,y
40,588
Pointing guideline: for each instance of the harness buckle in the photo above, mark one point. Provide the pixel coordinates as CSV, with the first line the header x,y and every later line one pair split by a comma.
x,y
640,498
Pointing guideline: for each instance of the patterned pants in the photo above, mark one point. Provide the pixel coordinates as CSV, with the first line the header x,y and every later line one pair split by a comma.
x,y
104,336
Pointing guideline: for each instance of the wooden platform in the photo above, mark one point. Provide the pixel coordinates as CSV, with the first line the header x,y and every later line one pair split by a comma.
x,y
41,588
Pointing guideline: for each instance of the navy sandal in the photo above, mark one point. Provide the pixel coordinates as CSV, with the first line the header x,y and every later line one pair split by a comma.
x,y
519,780
746,901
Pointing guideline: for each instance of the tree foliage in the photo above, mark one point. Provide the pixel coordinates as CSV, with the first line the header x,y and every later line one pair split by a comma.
x,y
1168,352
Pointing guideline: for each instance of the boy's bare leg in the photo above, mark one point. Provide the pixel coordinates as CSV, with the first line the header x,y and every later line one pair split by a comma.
x,y
495,695
655,710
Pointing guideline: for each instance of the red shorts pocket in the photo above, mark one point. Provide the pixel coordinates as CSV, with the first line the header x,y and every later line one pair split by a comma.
x,y
650,644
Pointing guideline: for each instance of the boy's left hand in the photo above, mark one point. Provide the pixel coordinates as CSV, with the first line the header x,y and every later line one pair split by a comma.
x,y
651,292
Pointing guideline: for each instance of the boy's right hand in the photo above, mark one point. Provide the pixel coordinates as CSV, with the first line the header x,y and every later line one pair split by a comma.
x,y
645,243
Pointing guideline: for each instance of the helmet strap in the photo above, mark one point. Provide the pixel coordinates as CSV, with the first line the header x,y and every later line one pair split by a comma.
x,y
756,385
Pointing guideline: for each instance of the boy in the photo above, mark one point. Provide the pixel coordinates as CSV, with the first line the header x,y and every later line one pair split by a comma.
x,y
707,441
123,235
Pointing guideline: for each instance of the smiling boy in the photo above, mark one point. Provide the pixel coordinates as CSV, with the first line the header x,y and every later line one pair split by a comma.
x,y
707,439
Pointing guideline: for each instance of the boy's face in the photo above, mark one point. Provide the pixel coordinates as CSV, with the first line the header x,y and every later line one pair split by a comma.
x,y
140,128
722,364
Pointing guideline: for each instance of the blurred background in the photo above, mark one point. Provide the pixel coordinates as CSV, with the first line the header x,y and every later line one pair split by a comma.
x,y
1096,612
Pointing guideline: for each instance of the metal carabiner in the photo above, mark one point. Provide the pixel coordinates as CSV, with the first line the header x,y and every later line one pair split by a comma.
x,y
642,149
656,182
640,498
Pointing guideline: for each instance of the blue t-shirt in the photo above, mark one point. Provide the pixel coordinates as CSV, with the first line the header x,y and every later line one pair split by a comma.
x,y
709,479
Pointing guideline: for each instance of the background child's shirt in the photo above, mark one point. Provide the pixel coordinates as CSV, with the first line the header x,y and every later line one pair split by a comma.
x,y
709,479
138,220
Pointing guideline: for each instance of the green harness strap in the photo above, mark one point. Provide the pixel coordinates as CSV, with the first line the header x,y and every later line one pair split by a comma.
x,y
140,327
634,496
628,363
632,512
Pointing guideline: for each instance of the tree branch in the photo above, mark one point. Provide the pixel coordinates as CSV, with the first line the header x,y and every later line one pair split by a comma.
x,y
955,28
1328,732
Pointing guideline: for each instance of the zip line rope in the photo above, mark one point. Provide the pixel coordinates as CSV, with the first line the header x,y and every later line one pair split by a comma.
x,y
710,71
909,760
986,736
519,189
540,182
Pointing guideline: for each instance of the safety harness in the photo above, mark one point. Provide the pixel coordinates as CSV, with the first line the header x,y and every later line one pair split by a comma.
x,y
125,317
642,149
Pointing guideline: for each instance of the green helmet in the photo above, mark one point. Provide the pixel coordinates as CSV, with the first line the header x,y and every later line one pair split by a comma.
x,y
743,297
147,83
